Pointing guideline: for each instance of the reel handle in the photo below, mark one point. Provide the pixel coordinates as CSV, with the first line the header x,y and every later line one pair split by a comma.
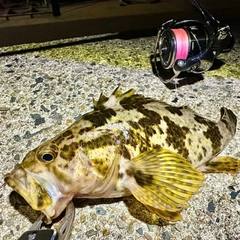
x,y
196,64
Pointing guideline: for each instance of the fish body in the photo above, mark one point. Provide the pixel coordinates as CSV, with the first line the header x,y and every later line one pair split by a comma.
x,y
127,145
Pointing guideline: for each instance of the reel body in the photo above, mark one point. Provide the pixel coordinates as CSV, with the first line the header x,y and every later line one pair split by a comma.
x,y
190,45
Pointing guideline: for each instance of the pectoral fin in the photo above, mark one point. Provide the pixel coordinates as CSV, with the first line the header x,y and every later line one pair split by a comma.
x,y
221,164
166,215
163,181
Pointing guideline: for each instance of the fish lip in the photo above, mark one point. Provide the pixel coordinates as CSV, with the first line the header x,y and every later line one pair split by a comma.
x,y
17,180
38,192
31,185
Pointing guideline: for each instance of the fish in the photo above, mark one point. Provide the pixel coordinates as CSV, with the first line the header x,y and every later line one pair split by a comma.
x,y
127,145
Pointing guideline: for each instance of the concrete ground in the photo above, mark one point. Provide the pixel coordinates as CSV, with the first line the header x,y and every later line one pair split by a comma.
x,y
43,92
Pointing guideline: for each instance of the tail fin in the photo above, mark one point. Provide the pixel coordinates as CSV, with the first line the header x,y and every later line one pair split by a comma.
x,y
229,119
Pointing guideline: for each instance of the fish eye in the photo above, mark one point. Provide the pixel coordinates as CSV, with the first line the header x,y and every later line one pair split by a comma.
x,y
47,153
47,157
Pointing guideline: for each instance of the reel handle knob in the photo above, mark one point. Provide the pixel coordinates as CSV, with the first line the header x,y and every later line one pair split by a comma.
x,y
181,65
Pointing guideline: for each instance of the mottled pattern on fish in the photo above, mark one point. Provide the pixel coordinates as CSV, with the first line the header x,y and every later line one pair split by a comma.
x,y
141,124
128,144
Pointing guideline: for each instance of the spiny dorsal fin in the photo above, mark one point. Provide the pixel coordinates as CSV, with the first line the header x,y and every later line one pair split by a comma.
x,y
113,100
163,180
127,100
98,104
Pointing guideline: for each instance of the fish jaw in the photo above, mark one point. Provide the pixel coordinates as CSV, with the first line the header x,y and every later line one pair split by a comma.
x,y
40,194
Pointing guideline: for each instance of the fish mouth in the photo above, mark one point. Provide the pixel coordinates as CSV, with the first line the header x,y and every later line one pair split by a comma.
x,y
40,194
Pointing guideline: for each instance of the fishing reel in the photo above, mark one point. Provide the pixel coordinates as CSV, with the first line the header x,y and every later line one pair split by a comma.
x,y
190,45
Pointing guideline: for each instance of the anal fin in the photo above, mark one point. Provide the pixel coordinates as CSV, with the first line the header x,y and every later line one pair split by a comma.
x,y
221,164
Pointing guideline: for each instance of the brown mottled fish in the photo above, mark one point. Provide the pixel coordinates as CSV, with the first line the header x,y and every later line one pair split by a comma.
x,y
127,145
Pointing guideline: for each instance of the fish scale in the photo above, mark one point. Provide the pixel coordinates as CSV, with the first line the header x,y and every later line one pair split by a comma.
x,y
129,144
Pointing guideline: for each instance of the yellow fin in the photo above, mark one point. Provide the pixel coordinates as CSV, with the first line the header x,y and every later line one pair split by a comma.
x,y
163,180
113,100
166,215
98,104
221,164
127,99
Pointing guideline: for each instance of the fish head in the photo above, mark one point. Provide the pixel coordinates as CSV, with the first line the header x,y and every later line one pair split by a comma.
x,y
46,180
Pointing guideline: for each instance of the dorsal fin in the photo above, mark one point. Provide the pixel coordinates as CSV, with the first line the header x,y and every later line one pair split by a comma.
x,y
127,100
102,99
113,100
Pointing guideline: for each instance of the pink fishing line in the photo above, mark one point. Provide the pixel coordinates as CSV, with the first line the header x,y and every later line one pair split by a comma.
x,y
182,43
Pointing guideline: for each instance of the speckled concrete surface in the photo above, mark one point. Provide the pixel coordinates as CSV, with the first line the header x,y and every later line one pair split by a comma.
x,y
44,92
